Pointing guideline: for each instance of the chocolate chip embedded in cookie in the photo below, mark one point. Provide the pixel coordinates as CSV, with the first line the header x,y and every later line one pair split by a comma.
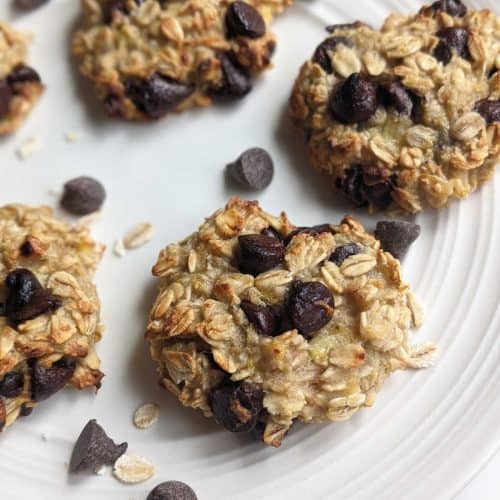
x,y
20,85
408,116
259,323
162,57
49,309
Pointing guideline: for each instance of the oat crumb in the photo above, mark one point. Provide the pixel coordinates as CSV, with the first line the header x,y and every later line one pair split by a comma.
x,y
72,137
119,248
28,147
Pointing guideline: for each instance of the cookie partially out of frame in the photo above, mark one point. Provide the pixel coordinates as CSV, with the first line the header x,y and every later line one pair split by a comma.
x,y
49,309
408,116
147,58
259,323
20,85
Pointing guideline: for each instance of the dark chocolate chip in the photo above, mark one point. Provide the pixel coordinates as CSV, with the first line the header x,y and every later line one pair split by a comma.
x,y
394,94
236,406
83,195
23,74
26,297
312,230
12,385
113,106
311,306
343,252
452,39
244,20
322,52
172,490
254,169
264,318
396,237
26,249
453,7
259,253
489,110
355,101
112,6
235,79
26,410
29,4
45,382
157,95
93,449
355,25
5,98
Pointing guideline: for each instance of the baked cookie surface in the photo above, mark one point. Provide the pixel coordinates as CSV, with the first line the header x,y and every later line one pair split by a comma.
x,y
49,309
149,57
259,323
408,116
20,85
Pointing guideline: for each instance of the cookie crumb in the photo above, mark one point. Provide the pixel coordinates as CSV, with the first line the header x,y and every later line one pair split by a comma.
x,y
132,469
72,137
28,147
146,415
139,235
119,248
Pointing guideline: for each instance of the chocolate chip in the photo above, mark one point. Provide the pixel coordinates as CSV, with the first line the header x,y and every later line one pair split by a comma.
x,y
172,490
254,169
259,253
321,54
26,249
489,110
26,297
396,237
312,230
23,74
453,7
452,39
236,406
93,449
263,318
5,98
235,80
29,4
112,6
355,101
394,94
355,25
113,106
26,410
311,306
244,20
157,95
83,195
12,385
272,233
45,382
343,252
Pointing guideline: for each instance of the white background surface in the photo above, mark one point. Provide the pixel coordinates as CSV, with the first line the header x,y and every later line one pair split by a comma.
x,y
429,432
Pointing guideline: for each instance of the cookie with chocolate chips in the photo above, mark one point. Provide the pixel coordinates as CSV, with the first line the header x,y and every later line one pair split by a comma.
x,y
20,85
259,323
49,309
408,116
162,57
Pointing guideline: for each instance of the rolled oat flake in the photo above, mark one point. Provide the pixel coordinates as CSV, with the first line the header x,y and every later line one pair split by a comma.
x,y
254,169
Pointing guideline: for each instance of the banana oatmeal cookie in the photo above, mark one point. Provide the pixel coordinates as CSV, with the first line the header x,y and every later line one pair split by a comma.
x,y
150,57
408,116
49,309
259,323
20,85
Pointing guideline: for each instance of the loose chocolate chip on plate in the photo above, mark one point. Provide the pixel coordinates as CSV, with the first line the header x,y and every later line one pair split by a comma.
x,y
236,406
26,297
23,74
489,110
452,39
83,195
12,385
45,382
172,490
254,169
395,95
355,101
29,4
93,449
5,98
244,20
264,318
321,54
396,237
311,306
235,79
259,253
157,95
343,252
453,7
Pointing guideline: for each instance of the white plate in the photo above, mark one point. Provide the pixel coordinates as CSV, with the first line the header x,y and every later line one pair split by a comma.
x,y
428,433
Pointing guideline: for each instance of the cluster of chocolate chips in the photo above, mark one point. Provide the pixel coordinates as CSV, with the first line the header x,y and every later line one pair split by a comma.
x,y
10,85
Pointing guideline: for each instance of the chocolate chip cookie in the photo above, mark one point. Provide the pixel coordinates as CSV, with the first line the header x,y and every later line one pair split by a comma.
x,y
49,309
259,323
20,85
408,116
147,58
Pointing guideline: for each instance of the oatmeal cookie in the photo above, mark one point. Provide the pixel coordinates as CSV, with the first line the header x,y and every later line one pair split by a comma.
x,y
259,323
49,309
20,85
408,116
149,57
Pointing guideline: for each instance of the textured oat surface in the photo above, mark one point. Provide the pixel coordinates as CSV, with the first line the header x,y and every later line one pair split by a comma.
x,y
63,259
181,40
444,149
199,335
23,95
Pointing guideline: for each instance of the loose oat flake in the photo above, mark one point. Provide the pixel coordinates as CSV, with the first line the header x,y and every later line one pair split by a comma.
x,y
139,235
146,415
132,469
